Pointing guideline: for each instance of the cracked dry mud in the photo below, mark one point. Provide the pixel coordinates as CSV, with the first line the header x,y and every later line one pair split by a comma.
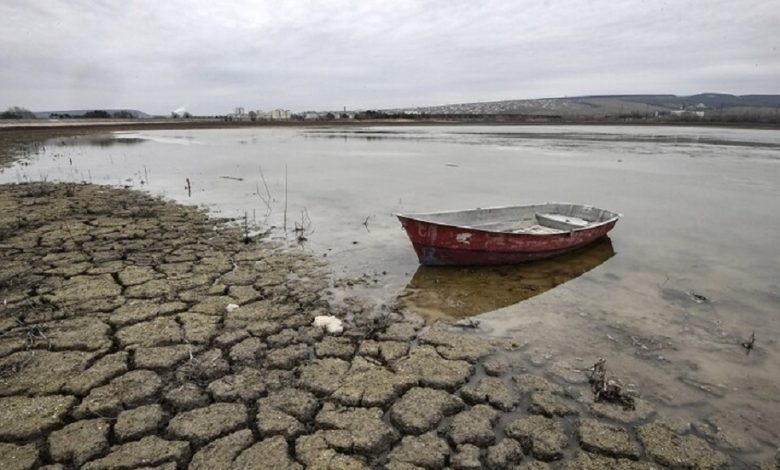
x,y
117,351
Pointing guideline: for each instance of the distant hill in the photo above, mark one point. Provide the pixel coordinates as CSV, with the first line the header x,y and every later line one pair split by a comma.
x,y
616,105
81,112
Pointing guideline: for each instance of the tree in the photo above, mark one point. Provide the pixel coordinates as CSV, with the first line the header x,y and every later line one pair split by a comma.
x,y
253,116
123,115
97,114
17,112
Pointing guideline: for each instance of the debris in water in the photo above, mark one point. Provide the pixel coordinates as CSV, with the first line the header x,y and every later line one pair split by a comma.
x,y
230,307
467,323
699,299
607,390
234,178
331,324
454,165
749,345
188,188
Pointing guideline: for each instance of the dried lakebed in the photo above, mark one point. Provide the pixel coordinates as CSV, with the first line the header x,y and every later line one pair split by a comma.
x,y
117,350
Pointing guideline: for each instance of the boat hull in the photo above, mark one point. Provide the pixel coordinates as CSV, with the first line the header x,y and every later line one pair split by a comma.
x,y
446,245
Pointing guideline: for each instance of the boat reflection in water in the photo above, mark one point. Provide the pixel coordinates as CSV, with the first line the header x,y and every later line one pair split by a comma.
x,y
457,292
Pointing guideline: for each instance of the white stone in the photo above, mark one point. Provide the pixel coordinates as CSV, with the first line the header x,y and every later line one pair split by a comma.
x,y
331,324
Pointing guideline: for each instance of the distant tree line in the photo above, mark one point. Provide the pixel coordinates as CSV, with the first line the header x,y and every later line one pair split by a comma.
x,y
95,114
16,112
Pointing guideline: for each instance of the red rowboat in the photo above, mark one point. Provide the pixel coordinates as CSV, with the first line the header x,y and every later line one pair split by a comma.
x,y
504,235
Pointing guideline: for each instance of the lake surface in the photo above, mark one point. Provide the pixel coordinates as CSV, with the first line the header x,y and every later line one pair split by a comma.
x,y
689,272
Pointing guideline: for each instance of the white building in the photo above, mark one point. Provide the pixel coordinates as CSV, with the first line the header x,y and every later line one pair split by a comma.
x,y
281,114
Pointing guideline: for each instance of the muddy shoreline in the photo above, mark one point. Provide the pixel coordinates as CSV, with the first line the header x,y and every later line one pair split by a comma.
x,y
137,332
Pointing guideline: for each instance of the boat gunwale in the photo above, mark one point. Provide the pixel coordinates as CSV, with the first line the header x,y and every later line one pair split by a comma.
x,y
416,217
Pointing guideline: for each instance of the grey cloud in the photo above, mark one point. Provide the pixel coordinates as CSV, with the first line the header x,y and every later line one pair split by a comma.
x,y
325,54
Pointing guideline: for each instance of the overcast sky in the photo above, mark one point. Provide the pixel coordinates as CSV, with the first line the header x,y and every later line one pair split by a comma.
x,y
211,56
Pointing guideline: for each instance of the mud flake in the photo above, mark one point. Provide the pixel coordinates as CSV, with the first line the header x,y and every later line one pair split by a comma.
x,y
549,405
298,403
458,346
273,452
158,332
421,409
587,461
221,453
359,430
135,311
137,422
491,390
202,425
134,388
601,438
322,376
333,346
474,426
213,305
288,357
273,422
80,441
425,366
367,384
81,289
246,385
163,357
186,396
18,457
503,454
668,448
243,294
314,452
105,369
427,451
545,438
134,275
400,331
533,383
149,451
467,458
199,328
41,372
27,417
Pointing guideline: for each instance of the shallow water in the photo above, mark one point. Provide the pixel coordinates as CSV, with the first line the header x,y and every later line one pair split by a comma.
x,y
687,274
